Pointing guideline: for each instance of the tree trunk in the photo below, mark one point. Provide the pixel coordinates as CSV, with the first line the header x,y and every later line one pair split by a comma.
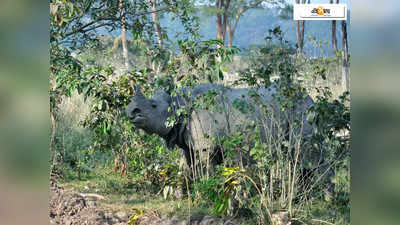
x,y
300,26
303,24
334,39
123,35
231,29
219,19
230,34
225,21
300,35
222,18
156,21
345,58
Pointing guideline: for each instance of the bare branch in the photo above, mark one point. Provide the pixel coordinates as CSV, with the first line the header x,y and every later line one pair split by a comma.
x,y
243,10
86,195
82,28
98,26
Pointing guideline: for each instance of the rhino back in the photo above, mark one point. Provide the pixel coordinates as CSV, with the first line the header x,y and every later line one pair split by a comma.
x,y
237,111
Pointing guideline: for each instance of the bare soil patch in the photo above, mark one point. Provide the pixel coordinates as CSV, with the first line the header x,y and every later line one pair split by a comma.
x,y
68,207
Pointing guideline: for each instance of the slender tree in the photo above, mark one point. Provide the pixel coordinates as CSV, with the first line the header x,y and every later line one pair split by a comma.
x,y
300,26
123,34
228,14
156,22
345,58
334,39
222,7
234,20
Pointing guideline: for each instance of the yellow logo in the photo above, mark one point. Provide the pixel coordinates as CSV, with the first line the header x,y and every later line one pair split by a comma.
x,y
320,11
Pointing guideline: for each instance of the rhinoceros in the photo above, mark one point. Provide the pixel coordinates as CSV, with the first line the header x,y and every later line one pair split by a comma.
x,y
235,110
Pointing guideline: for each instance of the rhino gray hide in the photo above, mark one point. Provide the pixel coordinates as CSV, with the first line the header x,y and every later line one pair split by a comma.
x,y
151,114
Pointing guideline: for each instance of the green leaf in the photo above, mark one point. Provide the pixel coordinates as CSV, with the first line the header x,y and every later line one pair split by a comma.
x,y
220,74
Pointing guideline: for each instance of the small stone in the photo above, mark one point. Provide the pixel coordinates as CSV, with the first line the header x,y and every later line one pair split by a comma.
x,y
67,221
207,220
122,216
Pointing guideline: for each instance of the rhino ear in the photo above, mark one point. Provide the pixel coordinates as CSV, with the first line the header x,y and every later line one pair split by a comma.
x,y
161,94
138,91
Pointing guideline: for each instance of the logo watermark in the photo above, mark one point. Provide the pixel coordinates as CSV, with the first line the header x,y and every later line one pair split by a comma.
x,y
320,12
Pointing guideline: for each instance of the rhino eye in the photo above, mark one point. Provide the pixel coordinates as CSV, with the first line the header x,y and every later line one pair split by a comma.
x,y
136,111
154,105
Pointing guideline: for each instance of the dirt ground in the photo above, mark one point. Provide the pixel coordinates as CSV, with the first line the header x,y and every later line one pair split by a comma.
x,y
68,207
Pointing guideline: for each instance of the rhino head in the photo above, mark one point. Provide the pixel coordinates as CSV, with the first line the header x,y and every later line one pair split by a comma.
x,y
150,114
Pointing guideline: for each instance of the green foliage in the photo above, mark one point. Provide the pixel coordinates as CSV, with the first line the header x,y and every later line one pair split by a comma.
x,y
273,59
232,178
77,21
207,189
330,116
200,61
172,180
342,185
243,106
196,62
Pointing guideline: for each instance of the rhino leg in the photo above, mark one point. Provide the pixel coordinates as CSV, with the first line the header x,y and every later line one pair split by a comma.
x,y
217,156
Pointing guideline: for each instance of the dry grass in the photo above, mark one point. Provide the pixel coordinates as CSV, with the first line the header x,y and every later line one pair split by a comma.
x,y
74,109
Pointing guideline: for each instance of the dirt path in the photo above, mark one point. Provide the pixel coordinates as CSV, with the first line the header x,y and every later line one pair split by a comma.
x,y
68,207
